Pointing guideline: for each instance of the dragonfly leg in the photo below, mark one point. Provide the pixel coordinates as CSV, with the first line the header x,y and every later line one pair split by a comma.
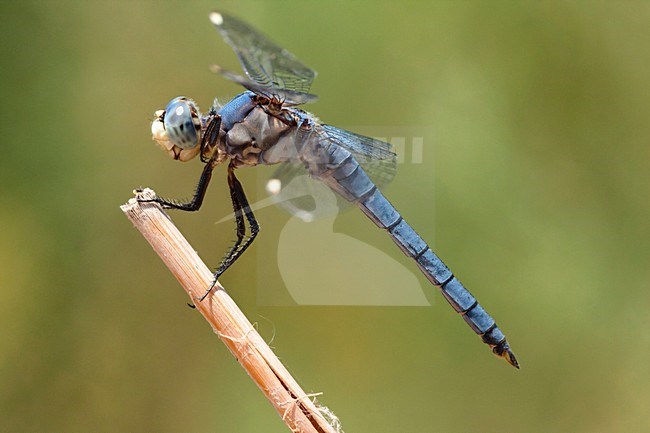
x,y
242,209
211,134
197,200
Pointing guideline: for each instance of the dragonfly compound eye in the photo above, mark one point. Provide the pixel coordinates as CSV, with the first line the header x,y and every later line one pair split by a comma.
x,y
182,122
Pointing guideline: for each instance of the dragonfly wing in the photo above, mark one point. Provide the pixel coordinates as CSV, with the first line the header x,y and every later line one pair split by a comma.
x,y
264,62
290,97
375,156
298,194
293,190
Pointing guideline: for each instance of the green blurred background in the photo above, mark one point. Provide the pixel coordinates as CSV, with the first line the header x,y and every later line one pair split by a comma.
x,y
537,197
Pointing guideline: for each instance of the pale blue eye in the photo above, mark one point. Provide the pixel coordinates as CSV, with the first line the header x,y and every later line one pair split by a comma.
x,y
182,122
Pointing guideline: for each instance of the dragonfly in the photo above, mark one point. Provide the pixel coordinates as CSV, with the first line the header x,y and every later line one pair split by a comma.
x,y
264,126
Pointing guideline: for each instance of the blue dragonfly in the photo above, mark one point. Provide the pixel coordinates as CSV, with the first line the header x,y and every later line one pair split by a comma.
x,y
264,126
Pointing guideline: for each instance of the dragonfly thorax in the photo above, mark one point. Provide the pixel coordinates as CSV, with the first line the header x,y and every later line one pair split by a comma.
x,y
250,129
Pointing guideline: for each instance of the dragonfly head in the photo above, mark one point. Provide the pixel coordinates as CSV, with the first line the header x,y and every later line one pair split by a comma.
x,y
177,129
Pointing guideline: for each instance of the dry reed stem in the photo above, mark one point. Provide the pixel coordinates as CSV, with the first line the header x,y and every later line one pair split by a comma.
x,y
291,403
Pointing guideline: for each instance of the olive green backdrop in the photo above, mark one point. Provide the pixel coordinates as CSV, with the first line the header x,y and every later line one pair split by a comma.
x,y
534,188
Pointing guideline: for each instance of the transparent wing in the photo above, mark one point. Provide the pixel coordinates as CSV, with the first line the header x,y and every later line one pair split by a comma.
x,y
290,97
265,63
301,196
375,156
296,192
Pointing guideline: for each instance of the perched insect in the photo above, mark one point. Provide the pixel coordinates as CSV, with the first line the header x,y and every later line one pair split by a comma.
x,y
263,126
